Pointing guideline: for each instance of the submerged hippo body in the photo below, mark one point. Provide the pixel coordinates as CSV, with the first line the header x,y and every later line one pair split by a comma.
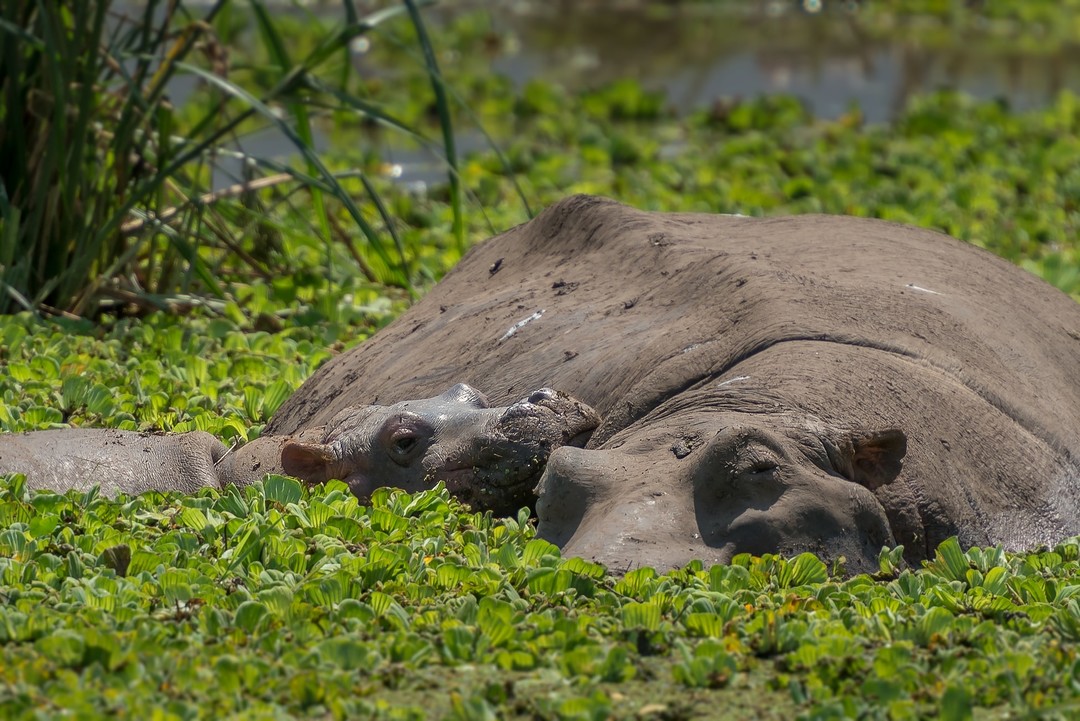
x,y
818,383
490,457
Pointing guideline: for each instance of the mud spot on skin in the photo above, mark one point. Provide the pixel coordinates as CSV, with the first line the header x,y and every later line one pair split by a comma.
x,y
686,444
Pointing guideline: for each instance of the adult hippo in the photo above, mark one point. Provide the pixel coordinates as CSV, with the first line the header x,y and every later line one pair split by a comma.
x,y
490,457
818,383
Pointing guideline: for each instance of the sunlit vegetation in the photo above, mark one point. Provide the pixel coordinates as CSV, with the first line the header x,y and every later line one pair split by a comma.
x,y
213,281
275,601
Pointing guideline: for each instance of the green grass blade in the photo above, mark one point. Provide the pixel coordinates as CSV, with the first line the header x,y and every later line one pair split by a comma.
x,y
313,159
442,106
279,55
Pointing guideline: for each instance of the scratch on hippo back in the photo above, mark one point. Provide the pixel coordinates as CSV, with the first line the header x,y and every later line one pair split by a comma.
x,y
521,324
919,288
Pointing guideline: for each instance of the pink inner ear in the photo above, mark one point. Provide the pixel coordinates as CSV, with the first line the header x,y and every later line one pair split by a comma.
x,y
310,462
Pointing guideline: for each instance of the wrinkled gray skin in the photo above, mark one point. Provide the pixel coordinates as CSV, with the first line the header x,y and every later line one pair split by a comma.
x,y
814,383
489,457
811,383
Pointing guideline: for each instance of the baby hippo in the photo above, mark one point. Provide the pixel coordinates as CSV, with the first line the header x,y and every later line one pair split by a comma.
x,y
491,458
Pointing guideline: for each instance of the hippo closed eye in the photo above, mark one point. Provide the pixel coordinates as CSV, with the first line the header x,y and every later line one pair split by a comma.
x,y
488,457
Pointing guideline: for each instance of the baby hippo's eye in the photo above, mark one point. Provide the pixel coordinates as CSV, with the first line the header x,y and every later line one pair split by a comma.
x,y
763,466
405,438
404,445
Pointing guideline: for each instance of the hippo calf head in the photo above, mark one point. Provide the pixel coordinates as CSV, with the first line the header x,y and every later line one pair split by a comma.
x,y
709,485
488,457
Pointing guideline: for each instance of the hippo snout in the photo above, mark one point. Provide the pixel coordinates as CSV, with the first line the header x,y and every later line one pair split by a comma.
x,y
592,504
549,418
510,455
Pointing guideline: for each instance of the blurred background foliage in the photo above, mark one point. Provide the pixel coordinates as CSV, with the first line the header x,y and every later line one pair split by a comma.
x,y
281,161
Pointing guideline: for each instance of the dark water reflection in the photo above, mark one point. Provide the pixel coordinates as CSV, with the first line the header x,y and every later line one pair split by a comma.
x,y
828,59
831,60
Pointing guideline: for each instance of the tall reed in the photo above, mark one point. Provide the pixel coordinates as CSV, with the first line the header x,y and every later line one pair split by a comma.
x,y
105,186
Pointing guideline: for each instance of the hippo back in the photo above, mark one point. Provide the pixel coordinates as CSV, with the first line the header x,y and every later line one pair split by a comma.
x,y
625,308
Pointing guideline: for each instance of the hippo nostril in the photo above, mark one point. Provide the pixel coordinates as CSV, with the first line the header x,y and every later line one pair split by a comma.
x,y
544,394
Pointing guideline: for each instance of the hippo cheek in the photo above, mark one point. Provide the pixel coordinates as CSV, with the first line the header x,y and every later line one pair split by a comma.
x,y
852,522
755,531
502,487
462,483
361,485
830,517
744,518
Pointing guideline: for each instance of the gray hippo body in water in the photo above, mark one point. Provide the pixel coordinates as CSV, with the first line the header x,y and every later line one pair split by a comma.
x,y
490,457
830,384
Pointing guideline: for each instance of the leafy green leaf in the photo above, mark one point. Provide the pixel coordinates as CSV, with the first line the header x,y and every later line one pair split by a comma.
x,y
950,560
249,615
641,615
117,558
283,489
956,704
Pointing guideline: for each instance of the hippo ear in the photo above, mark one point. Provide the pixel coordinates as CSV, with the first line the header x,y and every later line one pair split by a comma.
x,y
870,458
310,462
